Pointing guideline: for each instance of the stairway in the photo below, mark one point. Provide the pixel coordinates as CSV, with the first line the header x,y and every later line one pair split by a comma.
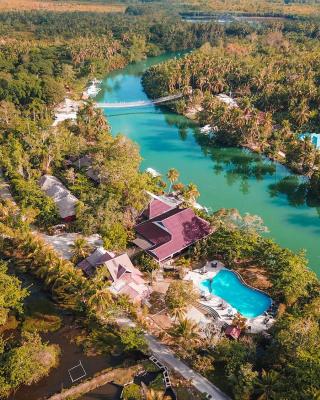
x,y
207,310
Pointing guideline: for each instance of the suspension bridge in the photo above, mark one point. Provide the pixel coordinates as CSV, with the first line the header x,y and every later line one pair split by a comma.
x,y
141,103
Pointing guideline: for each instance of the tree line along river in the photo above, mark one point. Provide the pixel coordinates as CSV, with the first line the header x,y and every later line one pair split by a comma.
x,y
226,177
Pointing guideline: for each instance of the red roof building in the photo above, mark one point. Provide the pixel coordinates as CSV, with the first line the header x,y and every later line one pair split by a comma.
x,y
125,278
170,230
156,207
233,331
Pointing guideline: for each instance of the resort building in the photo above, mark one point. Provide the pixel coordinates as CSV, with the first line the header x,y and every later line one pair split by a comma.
x,y
314,137
67,110
125,278
228,100
85,163
233,331
167,230
92,90
62,197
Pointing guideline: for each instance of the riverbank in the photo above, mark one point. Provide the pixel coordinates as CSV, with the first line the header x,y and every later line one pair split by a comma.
x,y
38,308
247,181
191,111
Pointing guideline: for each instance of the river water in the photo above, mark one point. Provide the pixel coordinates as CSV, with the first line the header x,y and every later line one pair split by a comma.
x,y
226,177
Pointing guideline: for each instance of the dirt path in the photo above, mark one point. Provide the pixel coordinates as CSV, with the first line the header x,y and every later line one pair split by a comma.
x,y
5,193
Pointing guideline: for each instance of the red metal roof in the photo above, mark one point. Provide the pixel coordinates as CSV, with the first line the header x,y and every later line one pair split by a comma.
x,y
233,331
156,207
173,231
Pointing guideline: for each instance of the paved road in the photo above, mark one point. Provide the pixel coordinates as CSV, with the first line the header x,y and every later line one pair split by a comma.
x,y
165,355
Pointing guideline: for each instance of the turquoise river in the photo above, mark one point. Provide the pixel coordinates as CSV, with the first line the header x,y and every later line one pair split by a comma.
x,y
226,177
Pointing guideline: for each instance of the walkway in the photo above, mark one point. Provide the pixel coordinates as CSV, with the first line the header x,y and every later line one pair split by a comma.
x,y
166,356
142,103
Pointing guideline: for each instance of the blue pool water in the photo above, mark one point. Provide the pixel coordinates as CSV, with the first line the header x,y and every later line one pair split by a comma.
x,y
227,285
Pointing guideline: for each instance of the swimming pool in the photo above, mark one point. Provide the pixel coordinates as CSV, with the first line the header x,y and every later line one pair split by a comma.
x,y
226,284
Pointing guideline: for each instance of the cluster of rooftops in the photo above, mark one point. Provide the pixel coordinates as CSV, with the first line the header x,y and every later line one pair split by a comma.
x,y
164,230
124,276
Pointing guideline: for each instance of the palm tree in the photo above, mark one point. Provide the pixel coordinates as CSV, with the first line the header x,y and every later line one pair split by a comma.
x,y
173,176
191,193
152,394
65,288
80,249
87,112
266,386
301,113
100,300
239,321
178,187
101,121
186,330
178,313
101,276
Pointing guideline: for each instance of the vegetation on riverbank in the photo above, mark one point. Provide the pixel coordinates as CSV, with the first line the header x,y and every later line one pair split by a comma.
x,y
275,106
278,7
89,300
24,359
282,364
58,54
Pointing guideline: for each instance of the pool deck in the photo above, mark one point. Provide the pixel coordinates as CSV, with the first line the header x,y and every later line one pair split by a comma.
x,y
197,276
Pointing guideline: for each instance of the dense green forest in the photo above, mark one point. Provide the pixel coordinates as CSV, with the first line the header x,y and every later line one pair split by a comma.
x,y
275,82
25,358
36,74
286,365
272,69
